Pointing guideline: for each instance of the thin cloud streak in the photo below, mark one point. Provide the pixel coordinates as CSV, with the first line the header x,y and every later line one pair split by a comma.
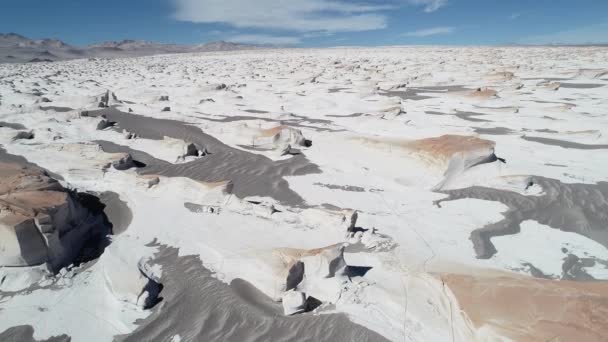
x,y
331,16
592,34
262,39
291,15
430,32
429,5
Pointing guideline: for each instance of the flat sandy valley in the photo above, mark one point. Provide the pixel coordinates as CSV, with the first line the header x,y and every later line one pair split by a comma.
x,y
343,194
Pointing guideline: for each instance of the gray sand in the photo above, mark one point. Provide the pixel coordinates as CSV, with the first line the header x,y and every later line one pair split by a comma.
x,y
494,130
25,333
295,122
12,125
544,130
577,208
354,115
199,307
252,174
255,111
412,93
549,79
408,94
581,85
56,109
336,90
564,143
342,187
468,116
573,268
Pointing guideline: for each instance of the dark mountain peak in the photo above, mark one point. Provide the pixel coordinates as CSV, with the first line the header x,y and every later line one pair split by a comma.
x,y
53,43
10,39
17,48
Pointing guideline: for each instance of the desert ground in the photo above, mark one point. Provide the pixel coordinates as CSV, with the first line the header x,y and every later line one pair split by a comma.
x,y
342,194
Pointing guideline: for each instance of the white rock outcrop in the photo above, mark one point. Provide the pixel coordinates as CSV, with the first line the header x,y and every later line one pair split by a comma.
x,y
40,221
293,302
130,281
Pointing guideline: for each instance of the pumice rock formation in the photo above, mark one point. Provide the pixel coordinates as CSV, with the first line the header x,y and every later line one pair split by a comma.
x,y
284,135
41,221
402,222
108,99
123,162
131,281
293,302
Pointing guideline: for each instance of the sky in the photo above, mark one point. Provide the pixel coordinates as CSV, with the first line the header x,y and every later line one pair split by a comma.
x,y
311,23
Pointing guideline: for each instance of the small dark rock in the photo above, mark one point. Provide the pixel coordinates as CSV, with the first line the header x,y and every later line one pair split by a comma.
x,y
24,135
103,124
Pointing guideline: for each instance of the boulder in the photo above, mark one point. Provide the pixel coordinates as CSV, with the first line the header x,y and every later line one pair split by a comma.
x,y
286,150
124,162
108,99
153,181
130,281
103,124
328,263
24,136
285,135
295,276
293,302
193,150
41,221
349,220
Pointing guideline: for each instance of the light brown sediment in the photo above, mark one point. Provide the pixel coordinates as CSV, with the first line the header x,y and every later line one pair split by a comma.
x,y
532,309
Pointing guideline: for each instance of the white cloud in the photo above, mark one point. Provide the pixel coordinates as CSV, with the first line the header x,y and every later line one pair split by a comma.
x,y
592,34
264,39
429,5
430,32
296,15
514,16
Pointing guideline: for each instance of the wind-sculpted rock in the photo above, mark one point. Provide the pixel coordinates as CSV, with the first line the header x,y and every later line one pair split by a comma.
x,y
24,136
108,99
349,220
124,162
290,136
103,124
41,221
293,302
136,283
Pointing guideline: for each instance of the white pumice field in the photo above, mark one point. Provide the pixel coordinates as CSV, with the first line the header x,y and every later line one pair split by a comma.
x,y
343,194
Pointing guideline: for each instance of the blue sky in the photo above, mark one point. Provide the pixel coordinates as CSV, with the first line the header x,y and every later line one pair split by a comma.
x,y
311,22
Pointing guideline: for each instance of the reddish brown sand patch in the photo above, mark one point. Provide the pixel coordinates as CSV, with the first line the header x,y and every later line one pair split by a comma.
x,y
446,146
531,309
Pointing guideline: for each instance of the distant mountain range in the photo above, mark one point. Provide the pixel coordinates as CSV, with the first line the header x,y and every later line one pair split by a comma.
x,y
15,48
